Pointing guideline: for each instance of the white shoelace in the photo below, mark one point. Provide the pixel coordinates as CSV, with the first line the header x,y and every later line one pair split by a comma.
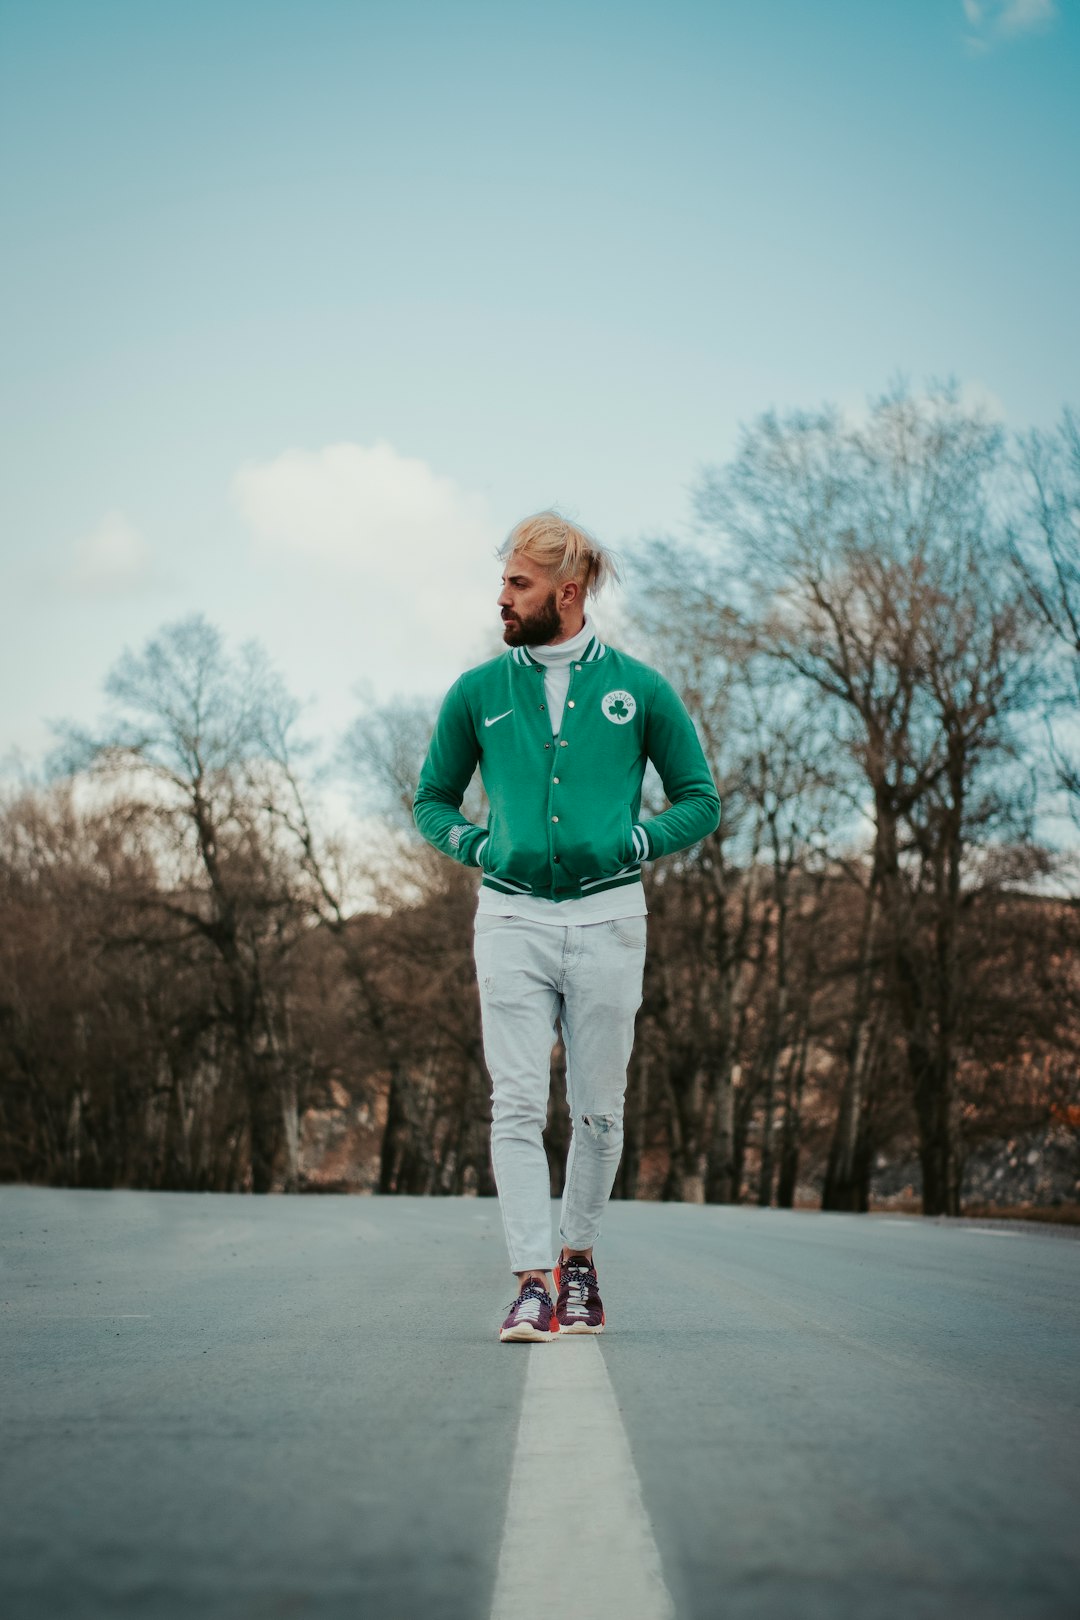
x,y
577,1297
528,1304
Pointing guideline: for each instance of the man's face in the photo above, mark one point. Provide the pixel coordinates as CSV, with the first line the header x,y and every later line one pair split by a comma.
x,y
528,604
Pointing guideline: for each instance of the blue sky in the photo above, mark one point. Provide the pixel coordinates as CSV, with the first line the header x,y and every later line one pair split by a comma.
x,y
306,303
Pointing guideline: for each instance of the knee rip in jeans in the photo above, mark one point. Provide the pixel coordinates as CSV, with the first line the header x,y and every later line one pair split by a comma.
x,y
598,1125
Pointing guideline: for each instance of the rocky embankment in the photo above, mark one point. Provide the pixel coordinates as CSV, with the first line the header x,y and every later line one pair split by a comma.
x,y
1039,1170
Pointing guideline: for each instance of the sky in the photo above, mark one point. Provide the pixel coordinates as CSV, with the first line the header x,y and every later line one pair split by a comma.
x,y
306,302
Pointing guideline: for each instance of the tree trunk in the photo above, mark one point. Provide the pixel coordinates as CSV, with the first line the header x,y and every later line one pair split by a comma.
x,y
933,1109
846,1181
265,1125
395,1156
290,1121
845,1187
745,1103
768,1133
768,1106
720,1185
636,1114
686,1174
789,1141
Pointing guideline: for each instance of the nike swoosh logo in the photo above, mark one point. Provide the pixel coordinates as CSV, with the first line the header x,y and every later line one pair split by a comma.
x,y
502,716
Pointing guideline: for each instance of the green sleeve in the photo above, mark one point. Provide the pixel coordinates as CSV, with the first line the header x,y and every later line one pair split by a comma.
x,y
452,757
672,744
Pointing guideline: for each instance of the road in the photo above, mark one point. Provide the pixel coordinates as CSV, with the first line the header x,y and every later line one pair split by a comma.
x,y
254,1409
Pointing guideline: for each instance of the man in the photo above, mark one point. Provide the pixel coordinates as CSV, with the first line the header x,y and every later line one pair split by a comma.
x,y
561,727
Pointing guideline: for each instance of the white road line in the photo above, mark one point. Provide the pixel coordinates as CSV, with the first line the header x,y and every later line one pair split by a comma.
x,y
574,1488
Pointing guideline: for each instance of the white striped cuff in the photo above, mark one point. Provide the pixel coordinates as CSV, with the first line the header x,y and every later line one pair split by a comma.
x,y
641,843
480,848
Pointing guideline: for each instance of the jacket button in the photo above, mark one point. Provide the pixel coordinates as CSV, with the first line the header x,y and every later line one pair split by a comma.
x,y
554,857
554,818
562,745
547,745
555,779
570,705
577,666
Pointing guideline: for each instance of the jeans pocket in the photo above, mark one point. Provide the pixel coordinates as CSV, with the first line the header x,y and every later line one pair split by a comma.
x,y
488,923
629,931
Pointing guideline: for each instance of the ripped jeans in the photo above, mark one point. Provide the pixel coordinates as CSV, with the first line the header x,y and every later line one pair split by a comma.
x,y
533,977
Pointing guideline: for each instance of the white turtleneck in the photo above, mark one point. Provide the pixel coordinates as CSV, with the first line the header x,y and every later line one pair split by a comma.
x,y
556,658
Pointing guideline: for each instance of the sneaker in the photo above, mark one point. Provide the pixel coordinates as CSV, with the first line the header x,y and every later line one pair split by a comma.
x,y
579,1308
532,1315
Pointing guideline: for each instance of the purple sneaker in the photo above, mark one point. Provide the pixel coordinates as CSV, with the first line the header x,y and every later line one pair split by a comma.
x,y
579,1308
532,1315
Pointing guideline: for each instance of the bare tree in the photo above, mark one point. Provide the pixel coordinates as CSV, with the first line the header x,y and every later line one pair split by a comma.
x,y
416,987
719,1013
874,571
190,741
113,1070
1046,550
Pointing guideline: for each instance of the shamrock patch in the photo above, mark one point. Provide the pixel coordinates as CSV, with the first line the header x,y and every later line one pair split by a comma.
x,y
618,707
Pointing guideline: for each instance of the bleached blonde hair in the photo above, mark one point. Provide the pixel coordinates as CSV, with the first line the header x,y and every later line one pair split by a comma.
x,y
563,549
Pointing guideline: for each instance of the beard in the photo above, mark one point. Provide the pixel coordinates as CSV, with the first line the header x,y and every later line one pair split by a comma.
x,y
536,629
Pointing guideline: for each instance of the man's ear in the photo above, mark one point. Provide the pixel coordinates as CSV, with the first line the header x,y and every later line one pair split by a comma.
x,y
569,591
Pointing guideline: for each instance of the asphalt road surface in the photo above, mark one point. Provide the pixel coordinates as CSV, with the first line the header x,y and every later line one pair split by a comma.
x,y
260,1409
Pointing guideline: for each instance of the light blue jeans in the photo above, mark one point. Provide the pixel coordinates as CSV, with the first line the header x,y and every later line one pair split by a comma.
x,y
534,977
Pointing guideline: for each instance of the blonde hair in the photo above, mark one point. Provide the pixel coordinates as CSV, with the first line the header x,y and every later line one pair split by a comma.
x,y
563,549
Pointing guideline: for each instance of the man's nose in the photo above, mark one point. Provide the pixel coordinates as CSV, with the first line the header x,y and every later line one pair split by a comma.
x,y
505,598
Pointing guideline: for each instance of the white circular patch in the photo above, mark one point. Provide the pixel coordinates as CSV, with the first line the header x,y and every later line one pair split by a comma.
x,y
618,707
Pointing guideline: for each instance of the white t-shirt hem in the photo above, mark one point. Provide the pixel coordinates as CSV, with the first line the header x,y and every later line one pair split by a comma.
x,y
626,901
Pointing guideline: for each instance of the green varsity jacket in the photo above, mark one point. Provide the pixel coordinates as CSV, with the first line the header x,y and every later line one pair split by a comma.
x,y
563,818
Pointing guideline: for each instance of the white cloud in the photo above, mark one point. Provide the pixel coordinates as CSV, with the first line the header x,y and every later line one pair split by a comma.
x,y
1021,16
114,557
1006,19
386,565
361,509
980,400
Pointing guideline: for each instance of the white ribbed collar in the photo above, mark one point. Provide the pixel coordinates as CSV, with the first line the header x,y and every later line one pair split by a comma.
x,y
586,647
564,652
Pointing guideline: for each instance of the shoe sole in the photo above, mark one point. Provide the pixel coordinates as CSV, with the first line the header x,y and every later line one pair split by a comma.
x,y
525,1333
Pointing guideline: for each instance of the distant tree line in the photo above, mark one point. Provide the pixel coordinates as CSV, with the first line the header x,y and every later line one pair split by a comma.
x,y
876,626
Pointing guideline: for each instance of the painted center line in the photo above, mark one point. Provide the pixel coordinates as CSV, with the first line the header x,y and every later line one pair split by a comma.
x,y
574,1486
